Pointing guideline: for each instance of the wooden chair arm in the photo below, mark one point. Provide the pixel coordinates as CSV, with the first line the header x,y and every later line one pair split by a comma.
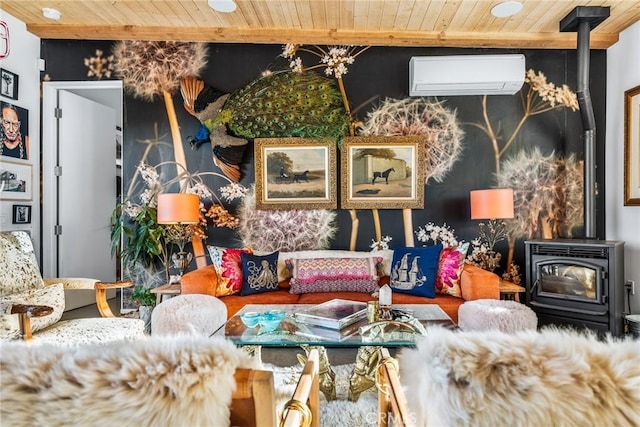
x,y
253,401
101,295
25,313
391,396
31,310
304,407
112,285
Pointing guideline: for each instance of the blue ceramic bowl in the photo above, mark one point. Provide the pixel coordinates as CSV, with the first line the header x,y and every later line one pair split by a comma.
x,y
250,319
270,320
275,314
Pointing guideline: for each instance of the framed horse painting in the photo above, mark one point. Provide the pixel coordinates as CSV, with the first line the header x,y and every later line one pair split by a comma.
x,y
382,172
295,173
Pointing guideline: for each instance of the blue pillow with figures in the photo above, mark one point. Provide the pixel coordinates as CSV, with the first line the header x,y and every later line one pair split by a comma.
x,y
259,273
414,270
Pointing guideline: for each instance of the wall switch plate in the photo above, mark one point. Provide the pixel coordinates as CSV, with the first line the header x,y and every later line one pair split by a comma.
x,y
631,285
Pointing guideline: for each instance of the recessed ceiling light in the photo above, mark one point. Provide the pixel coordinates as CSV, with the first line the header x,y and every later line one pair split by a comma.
x,y
50,13
226,6
507,8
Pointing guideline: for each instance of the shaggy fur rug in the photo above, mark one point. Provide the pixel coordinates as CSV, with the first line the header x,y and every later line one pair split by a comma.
x,y
164,381
335,413
548,378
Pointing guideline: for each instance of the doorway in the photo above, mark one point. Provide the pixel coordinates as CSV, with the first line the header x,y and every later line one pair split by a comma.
x,y
81,127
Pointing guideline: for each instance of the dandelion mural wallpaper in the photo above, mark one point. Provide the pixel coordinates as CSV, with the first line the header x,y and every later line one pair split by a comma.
x,y
530,141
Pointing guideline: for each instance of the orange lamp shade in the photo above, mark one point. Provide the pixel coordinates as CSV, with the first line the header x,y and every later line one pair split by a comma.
x,y
493,203
178,208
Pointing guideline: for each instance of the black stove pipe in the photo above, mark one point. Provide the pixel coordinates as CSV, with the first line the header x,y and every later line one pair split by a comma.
x,y
589,128
583,19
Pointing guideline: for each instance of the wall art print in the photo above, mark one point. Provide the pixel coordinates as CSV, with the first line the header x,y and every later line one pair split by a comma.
x,y
382,172
632,147
21,214
14,131
8,84
15,181
295,173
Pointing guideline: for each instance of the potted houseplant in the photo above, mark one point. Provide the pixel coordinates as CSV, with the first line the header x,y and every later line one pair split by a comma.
x,y
146,301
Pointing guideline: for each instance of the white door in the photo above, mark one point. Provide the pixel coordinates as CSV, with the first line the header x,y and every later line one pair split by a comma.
x,y
86,187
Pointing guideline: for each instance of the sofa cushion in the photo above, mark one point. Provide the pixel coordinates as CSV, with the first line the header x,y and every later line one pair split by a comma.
x,y
414,270
19,269
367,286
52,296
383,267
447,303
200,281
355,274
476,283
227,264
450,268
312,269
259,273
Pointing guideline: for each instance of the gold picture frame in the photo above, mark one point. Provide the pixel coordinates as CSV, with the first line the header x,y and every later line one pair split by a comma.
x,y
632,147
371,181
295,173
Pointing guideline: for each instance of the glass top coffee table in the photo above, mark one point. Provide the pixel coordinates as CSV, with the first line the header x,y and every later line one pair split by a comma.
x,y
403,331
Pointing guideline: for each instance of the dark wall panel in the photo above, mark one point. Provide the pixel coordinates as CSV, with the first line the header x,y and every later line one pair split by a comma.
x,y
378,73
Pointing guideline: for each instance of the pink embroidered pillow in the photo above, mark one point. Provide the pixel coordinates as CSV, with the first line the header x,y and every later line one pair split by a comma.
x,y
450,266
228,266
312,269
333,275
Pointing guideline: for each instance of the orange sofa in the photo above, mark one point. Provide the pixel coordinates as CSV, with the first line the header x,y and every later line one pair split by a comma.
x,y
475,283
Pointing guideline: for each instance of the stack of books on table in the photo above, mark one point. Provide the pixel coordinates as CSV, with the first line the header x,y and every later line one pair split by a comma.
x,y
335,319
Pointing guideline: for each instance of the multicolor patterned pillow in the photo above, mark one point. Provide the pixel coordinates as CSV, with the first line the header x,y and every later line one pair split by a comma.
x,y
382,268
450,268
259,273
414,270
228,266
333,275
312,269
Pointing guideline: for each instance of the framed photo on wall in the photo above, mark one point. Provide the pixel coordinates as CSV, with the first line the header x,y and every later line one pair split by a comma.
x,y
8,84
382,172
632,147
21,214
295,173
15,180
14,131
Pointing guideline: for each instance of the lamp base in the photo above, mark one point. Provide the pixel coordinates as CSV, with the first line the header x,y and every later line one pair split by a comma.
x,y
181,261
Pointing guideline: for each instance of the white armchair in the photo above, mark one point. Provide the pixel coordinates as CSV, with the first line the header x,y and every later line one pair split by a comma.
x,y
31,308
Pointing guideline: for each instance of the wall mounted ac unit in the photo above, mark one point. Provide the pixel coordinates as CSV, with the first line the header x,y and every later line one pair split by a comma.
x,y
466,75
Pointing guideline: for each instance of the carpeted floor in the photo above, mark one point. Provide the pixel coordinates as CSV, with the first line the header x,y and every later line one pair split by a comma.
x,y
336,413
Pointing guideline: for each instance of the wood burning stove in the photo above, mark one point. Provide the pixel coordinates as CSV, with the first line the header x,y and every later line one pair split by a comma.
x,y
576,282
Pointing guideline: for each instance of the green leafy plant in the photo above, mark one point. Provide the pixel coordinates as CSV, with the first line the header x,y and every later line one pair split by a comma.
x,y
145,238
143,296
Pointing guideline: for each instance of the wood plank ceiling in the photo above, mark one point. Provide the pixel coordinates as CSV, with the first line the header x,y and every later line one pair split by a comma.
x,y
455,23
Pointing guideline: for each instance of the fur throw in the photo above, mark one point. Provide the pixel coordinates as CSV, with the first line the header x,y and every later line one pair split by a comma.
x,y
549,378
159,381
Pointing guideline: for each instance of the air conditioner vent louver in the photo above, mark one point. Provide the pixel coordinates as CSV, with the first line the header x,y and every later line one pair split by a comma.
x,y
569,251
466,75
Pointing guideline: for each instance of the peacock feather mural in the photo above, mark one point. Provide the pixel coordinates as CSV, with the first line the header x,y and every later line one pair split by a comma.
x,y
277,104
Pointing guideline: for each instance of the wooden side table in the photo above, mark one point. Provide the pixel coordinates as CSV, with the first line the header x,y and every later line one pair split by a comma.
x,y
160,291
509,290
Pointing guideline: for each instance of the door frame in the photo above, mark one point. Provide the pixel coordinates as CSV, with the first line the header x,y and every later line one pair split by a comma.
x,y
49,255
